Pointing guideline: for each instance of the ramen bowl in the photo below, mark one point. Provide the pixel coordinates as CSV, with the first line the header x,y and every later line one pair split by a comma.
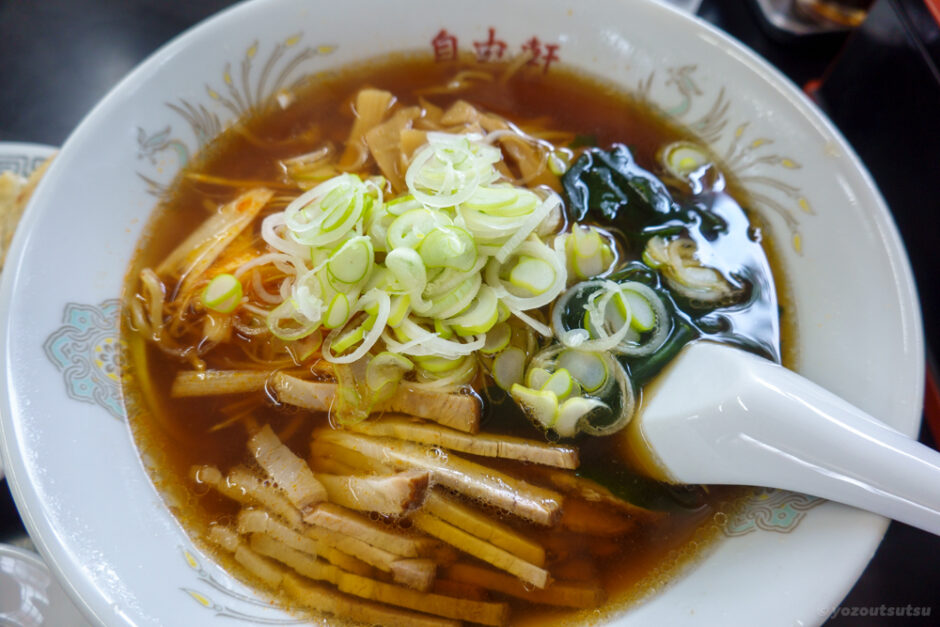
x,y
87,498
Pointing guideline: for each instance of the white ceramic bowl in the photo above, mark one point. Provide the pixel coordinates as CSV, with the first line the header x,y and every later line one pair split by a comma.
x,y
76,477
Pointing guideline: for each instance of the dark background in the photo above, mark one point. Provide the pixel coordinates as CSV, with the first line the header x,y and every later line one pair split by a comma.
x,y
881,87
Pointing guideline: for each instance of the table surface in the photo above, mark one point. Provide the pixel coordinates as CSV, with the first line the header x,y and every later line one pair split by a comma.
x,y
59,57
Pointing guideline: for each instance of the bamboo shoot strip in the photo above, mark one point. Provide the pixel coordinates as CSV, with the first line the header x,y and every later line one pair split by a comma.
x,y
525,571
224,537
415,573
245,487
459,411
371,107
261,567
341,520
557,593
517,497
390,496
346,562
327,600
460,609
303,563
484,527
257,561
215,382
325,455
384,142
326,466
596,520
372,555
484,445
451,588
258,521
410,572
191,258
291,473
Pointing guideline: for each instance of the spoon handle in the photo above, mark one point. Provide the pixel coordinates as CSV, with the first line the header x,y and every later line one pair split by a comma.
x,y
757,423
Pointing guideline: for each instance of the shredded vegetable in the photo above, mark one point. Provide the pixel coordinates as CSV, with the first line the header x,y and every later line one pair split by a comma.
x,y
223,293
685,273
460,253
455,271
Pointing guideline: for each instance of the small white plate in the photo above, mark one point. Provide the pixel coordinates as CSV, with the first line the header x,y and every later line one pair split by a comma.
x,y
29,595
22,158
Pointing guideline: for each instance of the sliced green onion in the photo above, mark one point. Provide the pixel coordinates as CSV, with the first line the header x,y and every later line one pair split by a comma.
x,y
509,367
450,167
328,212
573,414
288,324
590,251
443,329
372,329
406,266
537,377
501,200
643,317
558,162
589,369
656,332
352,262
304,349
562,384
684,272
419,341
438,365
456,300
337,314
529,225
497,339
386,369
223,294
598,337
504,312
409,229
399,306
586,245
624,397
460,375
402,204
535,276
539,405
347,340
513,298
480,316
444,280
682,158
449,247
309,295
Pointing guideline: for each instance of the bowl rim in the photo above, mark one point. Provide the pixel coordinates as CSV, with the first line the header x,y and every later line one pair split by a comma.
x,y
50,544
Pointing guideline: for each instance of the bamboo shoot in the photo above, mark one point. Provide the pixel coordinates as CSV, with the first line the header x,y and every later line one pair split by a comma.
x,y
517,497
482,444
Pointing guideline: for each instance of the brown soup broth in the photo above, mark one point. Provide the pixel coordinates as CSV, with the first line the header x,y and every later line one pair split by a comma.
x,y
176,434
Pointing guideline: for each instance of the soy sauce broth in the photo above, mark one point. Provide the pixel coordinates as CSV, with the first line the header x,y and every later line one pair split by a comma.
x,y
174,435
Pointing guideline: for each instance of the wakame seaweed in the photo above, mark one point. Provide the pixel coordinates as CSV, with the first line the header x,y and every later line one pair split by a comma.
x,y
610,185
